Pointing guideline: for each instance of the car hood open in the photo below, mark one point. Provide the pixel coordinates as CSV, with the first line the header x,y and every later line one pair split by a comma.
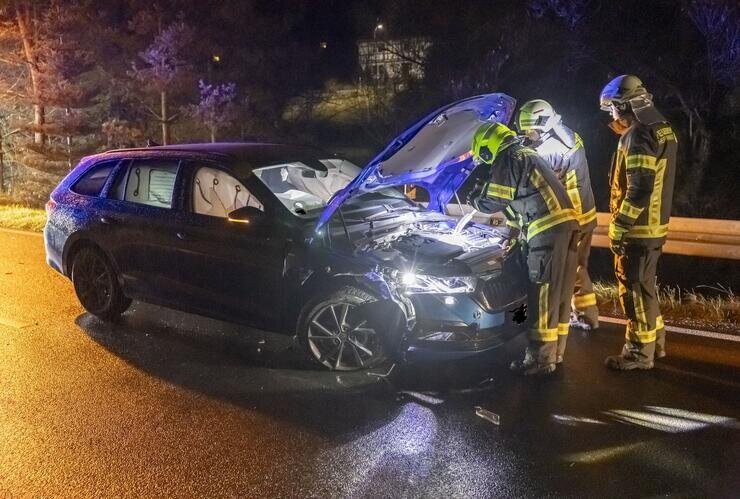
x,y
434,153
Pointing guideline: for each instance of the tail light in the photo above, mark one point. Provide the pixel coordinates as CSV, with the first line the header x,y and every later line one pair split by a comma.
x,y
50,206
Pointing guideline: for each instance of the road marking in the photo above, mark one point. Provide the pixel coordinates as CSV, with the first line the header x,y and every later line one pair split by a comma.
x,y
22,232
681,330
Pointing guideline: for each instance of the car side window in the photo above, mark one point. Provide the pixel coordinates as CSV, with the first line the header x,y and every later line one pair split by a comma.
x,y
216,193
149,182
93,180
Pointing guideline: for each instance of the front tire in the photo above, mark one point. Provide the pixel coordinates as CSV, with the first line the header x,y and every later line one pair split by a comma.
x,y
96,285
335,335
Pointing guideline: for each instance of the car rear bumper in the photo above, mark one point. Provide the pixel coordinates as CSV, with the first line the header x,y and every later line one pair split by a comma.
x,y
53,244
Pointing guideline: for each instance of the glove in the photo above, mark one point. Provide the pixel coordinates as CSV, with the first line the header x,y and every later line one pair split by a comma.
x,y
475,193
616,238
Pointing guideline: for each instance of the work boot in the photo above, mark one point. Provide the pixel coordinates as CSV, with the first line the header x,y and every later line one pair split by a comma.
x,y
660,344
529,360
539,359
633,356
581,321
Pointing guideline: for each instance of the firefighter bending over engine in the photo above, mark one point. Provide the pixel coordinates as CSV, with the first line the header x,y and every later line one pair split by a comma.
x,y
563,150
522,185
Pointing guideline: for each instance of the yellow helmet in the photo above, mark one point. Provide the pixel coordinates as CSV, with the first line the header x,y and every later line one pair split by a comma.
x,y
537,115
489,140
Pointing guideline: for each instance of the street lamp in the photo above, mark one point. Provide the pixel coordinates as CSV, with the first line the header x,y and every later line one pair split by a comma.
x,y
378,27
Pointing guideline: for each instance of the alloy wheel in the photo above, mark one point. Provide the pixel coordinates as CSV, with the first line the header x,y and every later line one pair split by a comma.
x,y
93,282
340,338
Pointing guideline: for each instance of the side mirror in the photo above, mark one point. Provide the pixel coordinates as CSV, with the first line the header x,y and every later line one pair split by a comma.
x,y
246,215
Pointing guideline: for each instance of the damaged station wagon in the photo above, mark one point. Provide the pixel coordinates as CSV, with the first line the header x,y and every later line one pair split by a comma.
x,y
294,240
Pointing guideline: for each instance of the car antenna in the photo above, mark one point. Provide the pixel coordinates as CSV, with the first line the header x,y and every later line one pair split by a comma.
x,y
151,143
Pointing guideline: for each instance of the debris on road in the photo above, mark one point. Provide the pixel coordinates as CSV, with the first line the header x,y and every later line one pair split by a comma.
x,y
381,375
489,416
423,397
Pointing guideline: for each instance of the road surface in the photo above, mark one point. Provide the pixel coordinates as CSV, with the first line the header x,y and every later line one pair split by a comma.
x,y
169,404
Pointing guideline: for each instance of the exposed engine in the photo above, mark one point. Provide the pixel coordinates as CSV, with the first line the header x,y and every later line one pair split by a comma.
x,y
435,241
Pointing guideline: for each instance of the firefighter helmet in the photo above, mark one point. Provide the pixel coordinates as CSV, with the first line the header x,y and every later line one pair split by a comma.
x,y
620,91
489,140
537,115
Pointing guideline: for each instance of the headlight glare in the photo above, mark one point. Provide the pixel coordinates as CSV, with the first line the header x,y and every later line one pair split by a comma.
x,y
433,284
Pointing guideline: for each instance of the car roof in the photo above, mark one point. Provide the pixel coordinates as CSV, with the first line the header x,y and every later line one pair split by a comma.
x,y
242,152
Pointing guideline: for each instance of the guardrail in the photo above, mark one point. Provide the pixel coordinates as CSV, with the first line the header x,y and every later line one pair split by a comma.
x,y
710,238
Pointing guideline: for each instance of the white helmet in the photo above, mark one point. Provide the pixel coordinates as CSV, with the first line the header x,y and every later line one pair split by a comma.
x,y
537,115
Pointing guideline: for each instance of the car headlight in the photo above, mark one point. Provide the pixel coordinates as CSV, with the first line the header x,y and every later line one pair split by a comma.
x,y
417,284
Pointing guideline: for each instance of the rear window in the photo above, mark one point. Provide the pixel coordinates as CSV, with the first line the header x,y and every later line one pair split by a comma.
x,y
92,182
150,182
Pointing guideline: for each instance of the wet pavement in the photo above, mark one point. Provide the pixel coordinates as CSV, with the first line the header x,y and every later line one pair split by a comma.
x,y
171,404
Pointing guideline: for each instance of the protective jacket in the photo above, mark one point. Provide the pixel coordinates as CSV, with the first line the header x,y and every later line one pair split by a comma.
x,y
563,150
525,188
642,178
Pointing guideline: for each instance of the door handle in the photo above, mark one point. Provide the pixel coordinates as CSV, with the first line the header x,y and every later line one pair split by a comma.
x,y
181,236
106,220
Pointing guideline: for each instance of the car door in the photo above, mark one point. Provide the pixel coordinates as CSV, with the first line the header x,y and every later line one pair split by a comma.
x,y
143,220
236,268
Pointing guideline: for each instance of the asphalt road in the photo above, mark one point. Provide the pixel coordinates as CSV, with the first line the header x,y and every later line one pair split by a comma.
x,y
169,404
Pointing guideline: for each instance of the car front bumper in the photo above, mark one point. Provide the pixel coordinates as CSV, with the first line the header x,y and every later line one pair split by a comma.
x,y
450,327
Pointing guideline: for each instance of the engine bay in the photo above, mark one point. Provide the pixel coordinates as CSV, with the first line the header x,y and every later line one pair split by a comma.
x,y
434,241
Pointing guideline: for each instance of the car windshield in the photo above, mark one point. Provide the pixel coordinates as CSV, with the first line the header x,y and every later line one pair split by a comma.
x,y
303,189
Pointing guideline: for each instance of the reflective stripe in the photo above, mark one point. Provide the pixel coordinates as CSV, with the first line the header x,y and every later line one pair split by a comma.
x,y
587,217
646,232
501,191
563,329
584,301
641,161
640,336
549,221
571,184
543,334
570,152
639,307
545,191
656,197
629,210
542,319
659,324
616,231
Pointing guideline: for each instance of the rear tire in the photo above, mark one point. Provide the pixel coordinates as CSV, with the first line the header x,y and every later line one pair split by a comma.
x,y
96,285
334,334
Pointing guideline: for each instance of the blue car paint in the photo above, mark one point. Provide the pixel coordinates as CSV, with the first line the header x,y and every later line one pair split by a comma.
x,y
440,181
78,217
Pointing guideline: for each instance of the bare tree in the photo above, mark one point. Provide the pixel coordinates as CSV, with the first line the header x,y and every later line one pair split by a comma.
x,y
217,108
163,64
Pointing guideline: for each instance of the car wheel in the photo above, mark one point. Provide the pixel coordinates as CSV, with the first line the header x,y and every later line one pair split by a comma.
x,y
96,285
337,336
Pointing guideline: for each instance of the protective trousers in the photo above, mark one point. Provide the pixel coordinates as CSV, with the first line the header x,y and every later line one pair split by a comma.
x,y
584,300
551,260
638,294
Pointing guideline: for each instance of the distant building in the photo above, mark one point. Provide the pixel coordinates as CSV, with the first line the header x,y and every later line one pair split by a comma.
x,y
393,61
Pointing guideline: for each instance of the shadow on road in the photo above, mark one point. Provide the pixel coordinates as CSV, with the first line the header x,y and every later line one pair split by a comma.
x,y
254,369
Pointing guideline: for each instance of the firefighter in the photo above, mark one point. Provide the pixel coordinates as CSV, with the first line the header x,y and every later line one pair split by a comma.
x,y
563,150
641,178
522,185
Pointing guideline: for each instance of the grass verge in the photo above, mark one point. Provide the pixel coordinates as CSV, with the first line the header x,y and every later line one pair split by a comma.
x,y
14,216
692,309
